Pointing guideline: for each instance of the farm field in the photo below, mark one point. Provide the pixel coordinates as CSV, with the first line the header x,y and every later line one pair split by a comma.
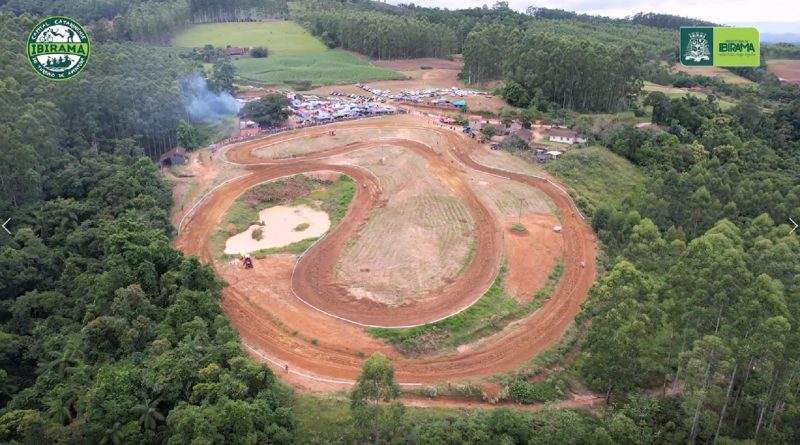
x,y
280,37
327,67
294,54
787,70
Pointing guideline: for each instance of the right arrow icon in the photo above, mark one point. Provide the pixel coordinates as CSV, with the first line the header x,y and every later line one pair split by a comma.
x,y
795,226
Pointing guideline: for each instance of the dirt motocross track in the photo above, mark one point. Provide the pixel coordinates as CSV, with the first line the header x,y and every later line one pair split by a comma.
x,y
307,294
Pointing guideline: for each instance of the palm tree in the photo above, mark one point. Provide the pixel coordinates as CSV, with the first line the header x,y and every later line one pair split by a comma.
x,y
62,410
112,435
70,356
148,413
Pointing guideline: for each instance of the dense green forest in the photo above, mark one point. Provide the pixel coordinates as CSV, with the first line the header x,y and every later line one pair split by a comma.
x,y
380,36
655,20
101,107
108,334
572,73
703,283
781,51
148,21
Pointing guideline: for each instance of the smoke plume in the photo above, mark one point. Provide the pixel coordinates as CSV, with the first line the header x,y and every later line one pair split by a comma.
x,y
204,105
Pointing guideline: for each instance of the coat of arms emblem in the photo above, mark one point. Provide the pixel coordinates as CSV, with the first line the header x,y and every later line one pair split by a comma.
x,y
697,49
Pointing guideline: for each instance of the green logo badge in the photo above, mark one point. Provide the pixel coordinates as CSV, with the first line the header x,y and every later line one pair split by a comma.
x,y
720,46
58,48
696,44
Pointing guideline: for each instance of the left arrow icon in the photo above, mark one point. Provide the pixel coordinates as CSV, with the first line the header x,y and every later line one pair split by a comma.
x,y
4,226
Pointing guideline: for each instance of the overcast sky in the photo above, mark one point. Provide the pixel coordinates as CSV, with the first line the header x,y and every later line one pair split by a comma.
x,y
728,12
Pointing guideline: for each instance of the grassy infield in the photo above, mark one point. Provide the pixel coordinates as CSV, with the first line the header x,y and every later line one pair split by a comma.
x,y
294,54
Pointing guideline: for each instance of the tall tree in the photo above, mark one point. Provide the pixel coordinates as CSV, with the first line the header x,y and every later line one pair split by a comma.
x,y
269,110
375,387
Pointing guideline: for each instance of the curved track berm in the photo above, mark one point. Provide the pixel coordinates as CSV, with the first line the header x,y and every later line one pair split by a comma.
x,y
313,282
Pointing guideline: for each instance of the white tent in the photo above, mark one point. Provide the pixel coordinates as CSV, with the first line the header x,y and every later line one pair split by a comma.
x,y
554,154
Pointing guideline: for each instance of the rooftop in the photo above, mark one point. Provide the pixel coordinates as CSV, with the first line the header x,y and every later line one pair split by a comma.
x,y
563,132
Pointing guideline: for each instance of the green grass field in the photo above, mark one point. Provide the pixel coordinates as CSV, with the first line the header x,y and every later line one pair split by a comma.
x,y
294,54
278,37
329,67
598,175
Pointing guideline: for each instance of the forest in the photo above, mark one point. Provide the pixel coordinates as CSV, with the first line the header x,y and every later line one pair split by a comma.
x,y
569,72
702,284
109,335
380,36
148,21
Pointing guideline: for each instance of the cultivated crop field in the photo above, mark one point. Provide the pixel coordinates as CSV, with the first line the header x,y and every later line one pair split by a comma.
x,y
279,37
326,67
294,54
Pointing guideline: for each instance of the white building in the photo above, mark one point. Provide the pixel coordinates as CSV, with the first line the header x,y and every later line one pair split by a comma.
x,y
565,136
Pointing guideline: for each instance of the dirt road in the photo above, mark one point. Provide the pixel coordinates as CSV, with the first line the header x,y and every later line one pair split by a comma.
x,y
264,310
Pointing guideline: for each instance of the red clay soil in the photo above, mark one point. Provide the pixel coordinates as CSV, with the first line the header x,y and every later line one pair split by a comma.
x,y
786,70
531,254
275,326
204,170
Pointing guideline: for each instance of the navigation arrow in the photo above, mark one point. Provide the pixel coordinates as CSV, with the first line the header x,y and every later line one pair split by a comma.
x,y
9,232
795,226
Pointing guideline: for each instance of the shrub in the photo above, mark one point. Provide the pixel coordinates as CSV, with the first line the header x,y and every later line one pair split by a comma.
x,y
460,119
513,144
547,390
518,228
259,52
257,234
426,67
300,227
489,131
300,85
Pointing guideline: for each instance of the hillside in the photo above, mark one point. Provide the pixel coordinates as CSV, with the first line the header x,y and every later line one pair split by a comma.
x,y
295,56
598,175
